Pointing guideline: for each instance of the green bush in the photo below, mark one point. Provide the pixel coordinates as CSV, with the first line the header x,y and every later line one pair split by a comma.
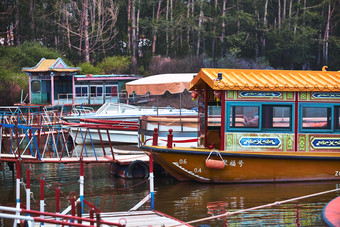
x,y
88,68
115,65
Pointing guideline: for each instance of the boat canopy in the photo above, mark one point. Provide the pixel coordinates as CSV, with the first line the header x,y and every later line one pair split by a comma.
x,y
267,80
159,84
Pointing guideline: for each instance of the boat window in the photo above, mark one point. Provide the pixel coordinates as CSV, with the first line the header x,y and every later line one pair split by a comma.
x,y
276,117
316,117
244,117
337,117
35,86
214,113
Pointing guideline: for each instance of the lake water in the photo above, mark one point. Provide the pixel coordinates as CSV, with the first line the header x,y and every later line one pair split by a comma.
x,y
186,201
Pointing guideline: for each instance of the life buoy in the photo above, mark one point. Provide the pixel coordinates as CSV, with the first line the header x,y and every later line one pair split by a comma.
x,y
214,164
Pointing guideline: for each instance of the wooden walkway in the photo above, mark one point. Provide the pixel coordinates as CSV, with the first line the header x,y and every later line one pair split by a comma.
x,y
146,218
122,159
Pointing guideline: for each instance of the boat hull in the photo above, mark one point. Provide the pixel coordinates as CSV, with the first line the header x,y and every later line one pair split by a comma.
x,y
190,165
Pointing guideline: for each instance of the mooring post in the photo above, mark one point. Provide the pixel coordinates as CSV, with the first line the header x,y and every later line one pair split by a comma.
x,y
28,188
170,139
98,219
17,191
151,179
155,137
57,199
92,216
81,184
79,211
42,202
73,207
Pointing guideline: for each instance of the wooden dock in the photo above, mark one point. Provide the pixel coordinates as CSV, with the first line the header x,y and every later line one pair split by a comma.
x,y
123,159
146,218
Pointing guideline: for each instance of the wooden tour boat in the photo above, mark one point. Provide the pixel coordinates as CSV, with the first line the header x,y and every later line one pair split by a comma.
x,y
275,126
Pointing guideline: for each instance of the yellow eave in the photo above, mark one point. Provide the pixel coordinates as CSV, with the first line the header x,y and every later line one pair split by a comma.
x,y
267,80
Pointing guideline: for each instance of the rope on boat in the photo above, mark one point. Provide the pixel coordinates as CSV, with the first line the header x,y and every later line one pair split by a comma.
x,y
261,207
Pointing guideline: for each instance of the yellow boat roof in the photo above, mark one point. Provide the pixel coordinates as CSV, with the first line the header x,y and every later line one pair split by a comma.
x,y
267,80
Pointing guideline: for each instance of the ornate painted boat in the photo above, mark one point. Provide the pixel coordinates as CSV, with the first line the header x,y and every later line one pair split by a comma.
x,y
275,126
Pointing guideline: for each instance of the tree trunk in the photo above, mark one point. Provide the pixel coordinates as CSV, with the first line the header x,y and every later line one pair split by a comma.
x,y
290,12
284,10
133,39
279,13
67,25
200,20
155,29
32,20
297,16
86,31
326,36
129,26
213,43
265,22
188,28
167,28
17,24
224,10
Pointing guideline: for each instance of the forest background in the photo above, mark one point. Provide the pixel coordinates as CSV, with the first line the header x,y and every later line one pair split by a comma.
x,y
149,37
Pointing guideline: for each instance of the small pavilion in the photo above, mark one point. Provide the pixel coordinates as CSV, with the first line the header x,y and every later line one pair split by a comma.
x,y
52,82
49,79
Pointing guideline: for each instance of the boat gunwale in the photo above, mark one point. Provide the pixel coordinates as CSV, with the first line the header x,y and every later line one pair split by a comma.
x,y
250,154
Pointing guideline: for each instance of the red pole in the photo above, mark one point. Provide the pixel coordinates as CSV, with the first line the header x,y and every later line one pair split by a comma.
x,y
296,123
170,139
101,140
112,153
42,202
57,199
155,138
73,207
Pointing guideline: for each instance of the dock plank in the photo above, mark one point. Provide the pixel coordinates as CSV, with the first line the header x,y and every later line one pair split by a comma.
x,y
136,218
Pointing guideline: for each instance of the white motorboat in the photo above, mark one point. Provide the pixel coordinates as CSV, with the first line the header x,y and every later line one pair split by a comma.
x,y
121,111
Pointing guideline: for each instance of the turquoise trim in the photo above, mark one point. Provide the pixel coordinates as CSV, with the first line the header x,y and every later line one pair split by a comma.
x,y
229,104
317,130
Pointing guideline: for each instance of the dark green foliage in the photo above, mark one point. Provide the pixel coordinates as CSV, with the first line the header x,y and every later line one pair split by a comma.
x,y
12,60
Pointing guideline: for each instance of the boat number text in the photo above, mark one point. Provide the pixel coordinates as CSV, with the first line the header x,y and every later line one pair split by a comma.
x,y
197,170
337,173
182,161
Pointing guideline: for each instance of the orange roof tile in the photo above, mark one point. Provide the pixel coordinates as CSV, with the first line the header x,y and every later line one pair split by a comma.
x,y
267,80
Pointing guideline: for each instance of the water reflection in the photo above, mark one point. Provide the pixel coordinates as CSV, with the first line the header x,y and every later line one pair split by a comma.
x,y
184,200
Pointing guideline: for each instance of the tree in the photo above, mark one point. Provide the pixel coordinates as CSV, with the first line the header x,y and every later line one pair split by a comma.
x,y
91,26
